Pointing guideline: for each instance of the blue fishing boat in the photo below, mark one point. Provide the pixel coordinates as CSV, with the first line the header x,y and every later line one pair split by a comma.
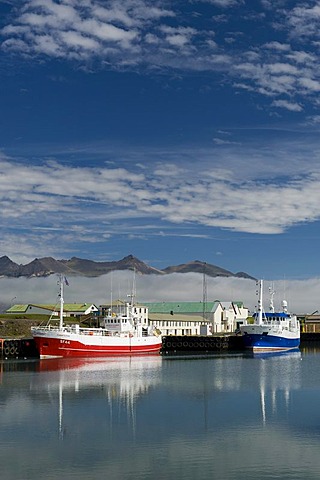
x,y
271,331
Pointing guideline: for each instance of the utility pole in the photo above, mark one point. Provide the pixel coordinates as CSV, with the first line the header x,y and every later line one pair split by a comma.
x,y
204,293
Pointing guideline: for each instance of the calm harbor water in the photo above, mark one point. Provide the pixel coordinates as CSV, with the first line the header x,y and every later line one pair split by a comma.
x,y
221,417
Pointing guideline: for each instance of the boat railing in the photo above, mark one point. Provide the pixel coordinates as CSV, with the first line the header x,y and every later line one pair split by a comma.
x,y
284,323
45,327
76,329
271,321
73,329
102,332
95,331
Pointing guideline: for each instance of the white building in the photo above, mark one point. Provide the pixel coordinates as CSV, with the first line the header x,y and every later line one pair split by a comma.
x,y
190,318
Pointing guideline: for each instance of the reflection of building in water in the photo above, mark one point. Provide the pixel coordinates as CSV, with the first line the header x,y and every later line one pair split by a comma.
x,y
123,380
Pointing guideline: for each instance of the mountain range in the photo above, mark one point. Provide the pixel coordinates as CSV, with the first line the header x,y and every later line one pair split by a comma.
x,y
42,267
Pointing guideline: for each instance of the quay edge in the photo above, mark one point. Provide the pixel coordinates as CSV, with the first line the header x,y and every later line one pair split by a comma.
x,y
24,348
210,344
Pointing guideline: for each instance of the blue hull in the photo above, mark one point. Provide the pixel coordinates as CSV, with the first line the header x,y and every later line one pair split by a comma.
x,y
269,342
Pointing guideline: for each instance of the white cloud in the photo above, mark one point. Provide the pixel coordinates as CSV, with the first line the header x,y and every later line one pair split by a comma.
x,y
293,107
282,68
302,295
107,32
310,84
75,40
301,57
277,46
313,120
223,3
220,141
304,20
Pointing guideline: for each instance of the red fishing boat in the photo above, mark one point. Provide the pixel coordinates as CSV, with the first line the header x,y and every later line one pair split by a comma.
x,y
118,334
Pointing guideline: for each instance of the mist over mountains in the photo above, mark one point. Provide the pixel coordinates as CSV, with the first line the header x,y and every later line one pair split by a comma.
x,y
185,283
43,267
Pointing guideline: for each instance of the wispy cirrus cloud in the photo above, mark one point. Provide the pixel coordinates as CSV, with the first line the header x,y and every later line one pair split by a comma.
x,y
157,35
115,201
78,30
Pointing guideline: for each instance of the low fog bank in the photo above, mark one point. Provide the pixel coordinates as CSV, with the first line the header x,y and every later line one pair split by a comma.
x,y
302,295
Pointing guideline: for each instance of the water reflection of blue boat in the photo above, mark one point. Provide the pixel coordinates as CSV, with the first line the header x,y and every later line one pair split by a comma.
x,y
293,353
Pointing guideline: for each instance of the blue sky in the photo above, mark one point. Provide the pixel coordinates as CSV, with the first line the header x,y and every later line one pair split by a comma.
x,y
172,131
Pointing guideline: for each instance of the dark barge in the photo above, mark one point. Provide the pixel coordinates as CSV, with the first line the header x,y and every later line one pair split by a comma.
x,y
18,348
201,344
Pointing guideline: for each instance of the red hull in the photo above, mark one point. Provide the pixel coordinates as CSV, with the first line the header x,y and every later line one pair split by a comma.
x,y
54,347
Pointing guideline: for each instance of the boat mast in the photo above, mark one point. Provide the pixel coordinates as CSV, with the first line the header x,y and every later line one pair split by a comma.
x,y
61,303
111,294
260,292
133,290
133,296
272,292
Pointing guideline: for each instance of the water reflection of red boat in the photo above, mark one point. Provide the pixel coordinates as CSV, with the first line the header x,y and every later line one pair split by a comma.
x,y
121,380
78,364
